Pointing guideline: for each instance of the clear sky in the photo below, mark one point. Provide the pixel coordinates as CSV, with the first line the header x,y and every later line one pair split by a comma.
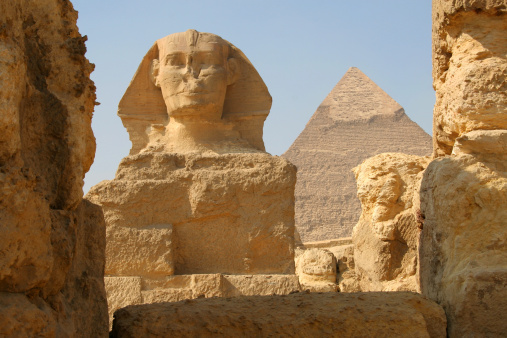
x,y
300,48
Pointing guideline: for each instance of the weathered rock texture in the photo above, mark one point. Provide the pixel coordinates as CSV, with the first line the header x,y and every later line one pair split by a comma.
x,y
191,213
316,269
469,69
124,291
52,243
297,315
464,239
387,235
357,120
464,196
342,251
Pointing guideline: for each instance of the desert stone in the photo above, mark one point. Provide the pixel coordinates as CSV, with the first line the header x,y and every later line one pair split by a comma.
x,y
463,245
316,269
463,250
52,243
355,121
334,314
469,69
386,237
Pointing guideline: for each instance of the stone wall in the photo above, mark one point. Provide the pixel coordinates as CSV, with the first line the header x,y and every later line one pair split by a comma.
x,y
52,243
464,194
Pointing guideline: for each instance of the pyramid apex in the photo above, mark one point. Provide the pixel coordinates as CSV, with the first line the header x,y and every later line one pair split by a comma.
x,y
357,97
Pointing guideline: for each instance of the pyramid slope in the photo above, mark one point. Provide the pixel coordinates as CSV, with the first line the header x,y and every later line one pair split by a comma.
x,y
357,120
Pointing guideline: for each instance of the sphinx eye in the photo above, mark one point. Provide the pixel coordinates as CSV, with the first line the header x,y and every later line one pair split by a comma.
x,y
212,59
174,60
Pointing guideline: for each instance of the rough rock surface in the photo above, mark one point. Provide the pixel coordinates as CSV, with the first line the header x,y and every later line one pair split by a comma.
x,y
464,239
469,69
298,315
387,235
231,213
316,269
357,120
124,291
52,243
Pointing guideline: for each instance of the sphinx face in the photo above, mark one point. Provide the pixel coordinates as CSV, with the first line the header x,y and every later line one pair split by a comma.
x,y
193,75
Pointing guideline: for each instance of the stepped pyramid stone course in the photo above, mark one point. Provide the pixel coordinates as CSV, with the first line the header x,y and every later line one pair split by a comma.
x,y
355,121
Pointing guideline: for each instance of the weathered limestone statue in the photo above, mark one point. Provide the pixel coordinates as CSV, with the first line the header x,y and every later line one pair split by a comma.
x,y
197,197
386,237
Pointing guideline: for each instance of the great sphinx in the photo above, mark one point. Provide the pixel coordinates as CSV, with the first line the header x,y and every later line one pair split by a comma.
x,y
198,208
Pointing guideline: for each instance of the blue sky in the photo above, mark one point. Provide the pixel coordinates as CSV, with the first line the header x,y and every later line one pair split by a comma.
x,y
300,48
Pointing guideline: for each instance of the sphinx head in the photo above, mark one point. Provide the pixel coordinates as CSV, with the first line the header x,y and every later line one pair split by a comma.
x,y
193,71
194,79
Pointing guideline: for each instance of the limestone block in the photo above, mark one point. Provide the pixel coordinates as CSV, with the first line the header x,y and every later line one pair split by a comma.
x,y
211,285
296,315
346,275
231,213
469,69
143,251
121,292
84,288
316,269
464,239
166,295
250,285
386,237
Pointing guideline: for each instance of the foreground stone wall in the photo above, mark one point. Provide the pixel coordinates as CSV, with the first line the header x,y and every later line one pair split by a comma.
x,y
469,69
464,240
52,243
297,315
464,195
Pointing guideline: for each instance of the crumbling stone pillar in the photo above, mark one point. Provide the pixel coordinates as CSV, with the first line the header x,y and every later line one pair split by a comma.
x,y
463,250
52,241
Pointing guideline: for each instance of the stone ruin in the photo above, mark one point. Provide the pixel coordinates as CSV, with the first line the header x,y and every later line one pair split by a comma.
x,y
52,241
431,225
198,208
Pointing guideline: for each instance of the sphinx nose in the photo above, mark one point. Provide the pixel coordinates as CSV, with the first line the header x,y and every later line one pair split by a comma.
x,y
192,69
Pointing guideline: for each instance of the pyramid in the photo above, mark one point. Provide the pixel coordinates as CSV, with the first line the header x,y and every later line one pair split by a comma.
x,y
355,121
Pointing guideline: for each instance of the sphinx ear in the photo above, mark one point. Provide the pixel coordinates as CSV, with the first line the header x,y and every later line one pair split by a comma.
x,y
232,71
154,68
